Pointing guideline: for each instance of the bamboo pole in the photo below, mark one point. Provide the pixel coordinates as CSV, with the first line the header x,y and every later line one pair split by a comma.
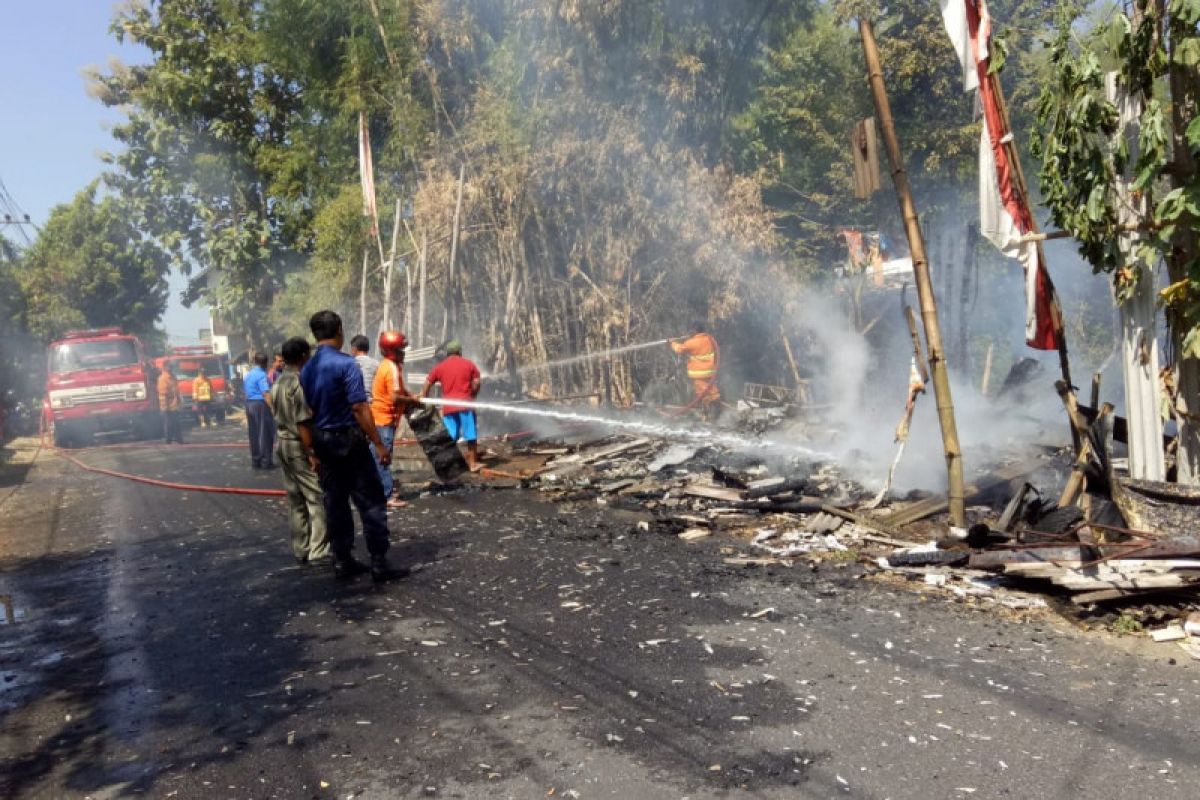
x,y
424,273
450,313
916,244
787,348
389,270
911,319
362,290
987,370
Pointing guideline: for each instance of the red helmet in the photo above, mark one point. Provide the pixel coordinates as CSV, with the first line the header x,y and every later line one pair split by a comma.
x,y
392,344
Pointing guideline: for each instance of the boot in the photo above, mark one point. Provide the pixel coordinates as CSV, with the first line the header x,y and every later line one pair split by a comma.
x,y
381,570
349,567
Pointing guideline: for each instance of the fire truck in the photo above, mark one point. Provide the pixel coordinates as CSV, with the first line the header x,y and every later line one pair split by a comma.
x,y
98,381
188,361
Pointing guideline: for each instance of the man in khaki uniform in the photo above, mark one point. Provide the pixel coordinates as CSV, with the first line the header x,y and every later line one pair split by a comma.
x,y
306,511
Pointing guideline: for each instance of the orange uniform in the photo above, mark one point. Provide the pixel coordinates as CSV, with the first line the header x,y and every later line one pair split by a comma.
x,y
388,381
704,359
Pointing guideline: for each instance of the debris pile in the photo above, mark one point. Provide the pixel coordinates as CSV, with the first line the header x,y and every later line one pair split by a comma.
x,y
1097,538
1185,633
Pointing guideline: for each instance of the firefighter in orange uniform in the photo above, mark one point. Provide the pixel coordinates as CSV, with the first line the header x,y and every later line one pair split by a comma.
x,y
704,359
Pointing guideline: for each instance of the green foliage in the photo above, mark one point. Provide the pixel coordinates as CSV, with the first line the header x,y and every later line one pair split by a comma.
x,y
15,366
243,124
795,132
90,266
1126,624
1081,164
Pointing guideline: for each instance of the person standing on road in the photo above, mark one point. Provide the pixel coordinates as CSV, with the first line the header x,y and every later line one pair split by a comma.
x,y
360,346
169,402
460,380
293,420
258,414
388,400
341,426
202,392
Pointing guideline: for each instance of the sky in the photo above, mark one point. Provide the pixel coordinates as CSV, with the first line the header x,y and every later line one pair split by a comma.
x,y
51,132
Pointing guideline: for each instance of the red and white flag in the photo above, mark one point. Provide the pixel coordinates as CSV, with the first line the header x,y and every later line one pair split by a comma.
x,y
1004,216
367,172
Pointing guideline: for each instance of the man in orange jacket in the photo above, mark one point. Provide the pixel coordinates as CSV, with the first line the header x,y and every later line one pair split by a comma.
x,y
704,359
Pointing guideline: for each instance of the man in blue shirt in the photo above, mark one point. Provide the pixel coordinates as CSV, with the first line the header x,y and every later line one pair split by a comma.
x,y
258,414
342,426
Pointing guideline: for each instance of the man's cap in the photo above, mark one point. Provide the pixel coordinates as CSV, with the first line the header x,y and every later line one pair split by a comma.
x,y
454,347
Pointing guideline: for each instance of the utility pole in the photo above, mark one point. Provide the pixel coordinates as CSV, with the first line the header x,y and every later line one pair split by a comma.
x,y
916,245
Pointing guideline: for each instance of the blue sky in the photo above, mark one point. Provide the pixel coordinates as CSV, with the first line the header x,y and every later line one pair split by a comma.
x,y
51,132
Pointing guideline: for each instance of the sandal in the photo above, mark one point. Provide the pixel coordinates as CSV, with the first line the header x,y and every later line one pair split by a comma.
x,y
395,502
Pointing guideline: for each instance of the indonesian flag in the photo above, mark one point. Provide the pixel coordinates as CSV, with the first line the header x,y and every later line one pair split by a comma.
x,y
367,173
1004,216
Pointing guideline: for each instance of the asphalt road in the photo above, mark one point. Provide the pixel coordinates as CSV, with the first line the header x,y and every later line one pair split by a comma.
x,y
166,646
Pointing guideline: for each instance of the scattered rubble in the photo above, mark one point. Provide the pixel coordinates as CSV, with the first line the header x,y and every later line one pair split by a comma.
x,y
1020,547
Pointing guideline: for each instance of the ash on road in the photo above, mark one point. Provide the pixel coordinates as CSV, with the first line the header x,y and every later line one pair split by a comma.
x,y
165,645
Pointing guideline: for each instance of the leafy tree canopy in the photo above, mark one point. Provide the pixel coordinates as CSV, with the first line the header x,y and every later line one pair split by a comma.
x,y
91,266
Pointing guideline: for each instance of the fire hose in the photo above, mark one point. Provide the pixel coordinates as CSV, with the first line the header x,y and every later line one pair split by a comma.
x,y
194,487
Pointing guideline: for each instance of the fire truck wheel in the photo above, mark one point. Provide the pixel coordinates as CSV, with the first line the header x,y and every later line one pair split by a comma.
x,y
62,436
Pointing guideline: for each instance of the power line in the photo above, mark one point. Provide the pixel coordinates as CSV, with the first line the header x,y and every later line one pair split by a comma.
x,y
14,214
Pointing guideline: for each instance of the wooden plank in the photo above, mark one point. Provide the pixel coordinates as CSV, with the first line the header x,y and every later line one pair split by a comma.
x,y
935,505
863,520
870,537
1148,582
713,493
994,559
1103,595
614,450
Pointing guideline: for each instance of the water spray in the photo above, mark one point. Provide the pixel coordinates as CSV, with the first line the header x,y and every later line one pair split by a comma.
x,y
653,429
612,351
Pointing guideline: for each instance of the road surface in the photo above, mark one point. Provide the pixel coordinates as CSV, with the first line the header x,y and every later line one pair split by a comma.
x,y
165,645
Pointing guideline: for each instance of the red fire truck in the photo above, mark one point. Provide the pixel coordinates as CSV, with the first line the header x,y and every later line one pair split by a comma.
x,y
188,361
98,381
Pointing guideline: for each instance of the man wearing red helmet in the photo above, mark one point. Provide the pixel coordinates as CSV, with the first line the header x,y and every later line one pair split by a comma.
x,y
389,396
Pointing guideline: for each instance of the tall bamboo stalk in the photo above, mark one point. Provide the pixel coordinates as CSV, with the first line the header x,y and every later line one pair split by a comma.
x,y
916,244
362,290
424,273
389,270
450,312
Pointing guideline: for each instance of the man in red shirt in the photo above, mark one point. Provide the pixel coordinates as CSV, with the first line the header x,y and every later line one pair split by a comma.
x,y
459,379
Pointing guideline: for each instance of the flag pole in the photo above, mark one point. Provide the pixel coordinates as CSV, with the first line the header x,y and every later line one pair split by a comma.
x,y
1014,158
916,245
1078,436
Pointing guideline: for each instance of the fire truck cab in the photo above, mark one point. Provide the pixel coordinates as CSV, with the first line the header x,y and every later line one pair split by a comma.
x,y
188,361
98,381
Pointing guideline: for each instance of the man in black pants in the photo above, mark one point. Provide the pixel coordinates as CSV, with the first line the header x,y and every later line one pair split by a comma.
x,y
342,426
258,414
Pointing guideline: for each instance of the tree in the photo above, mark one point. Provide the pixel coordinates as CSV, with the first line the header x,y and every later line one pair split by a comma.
x,y
1155,51
242,126
15,360
90,266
